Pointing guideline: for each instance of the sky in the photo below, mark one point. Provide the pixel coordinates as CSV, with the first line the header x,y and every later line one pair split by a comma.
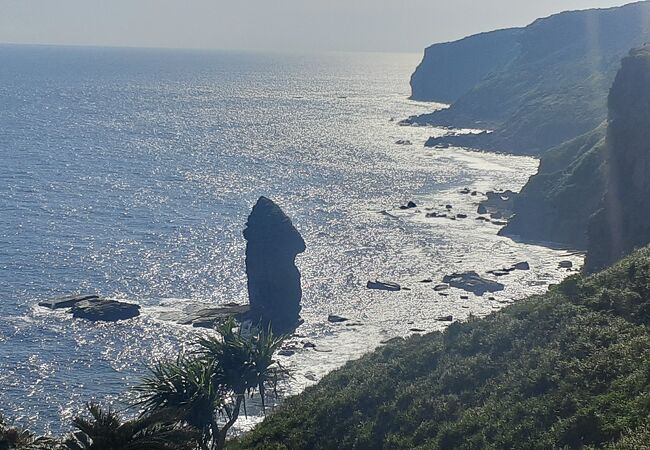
x,y
263,25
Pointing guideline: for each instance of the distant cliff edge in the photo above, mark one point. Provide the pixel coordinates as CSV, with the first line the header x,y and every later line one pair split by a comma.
x,y
450,69
537,87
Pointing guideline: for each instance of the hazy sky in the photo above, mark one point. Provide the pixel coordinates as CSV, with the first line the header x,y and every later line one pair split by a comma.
x,y
286,25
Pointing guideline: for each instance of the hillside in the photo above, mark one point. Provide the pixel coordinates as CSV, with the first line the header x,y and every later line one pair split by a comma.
x,y
567,369
556,204
553,90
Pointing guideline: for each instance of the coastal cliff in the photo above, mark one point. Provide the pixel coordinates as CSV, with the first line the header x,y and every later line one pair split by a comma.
x,y
556,204
553,90
450,69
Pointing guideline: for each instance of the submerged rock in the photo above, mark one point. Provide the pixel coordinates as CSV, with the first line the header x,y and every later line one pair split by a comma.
x,y
472,282
274,289
211,317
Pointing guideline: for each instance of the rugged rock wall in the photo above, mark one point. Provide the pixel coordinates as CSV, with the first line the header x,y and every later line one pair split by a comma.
x,y
623,223
274,289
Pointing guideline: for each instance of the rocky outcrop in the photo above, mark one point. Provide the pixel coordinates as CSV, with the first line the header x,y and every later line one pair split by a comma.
x,y
498,204
94,308
553,89
103,310
274,289
67,301
623,222
383,285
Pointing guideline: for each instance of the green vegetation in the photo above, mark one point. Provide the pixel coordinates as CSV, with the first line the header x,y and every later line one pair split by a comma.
x,y
189,403
105,430
568,369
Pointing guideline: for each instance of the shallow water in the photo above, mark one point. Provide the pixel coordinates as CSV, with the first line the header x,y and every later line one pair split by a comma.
x,y
131,173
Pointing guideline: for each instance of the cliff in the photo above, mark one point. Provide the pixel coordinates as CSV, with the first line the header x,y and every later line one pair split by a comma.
x,y
564,202
554,89
568,369
623,222
450,69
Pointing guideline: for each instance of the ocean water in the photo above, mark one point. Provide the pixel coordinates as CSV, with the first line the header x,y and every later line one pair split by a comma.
x,y
130,173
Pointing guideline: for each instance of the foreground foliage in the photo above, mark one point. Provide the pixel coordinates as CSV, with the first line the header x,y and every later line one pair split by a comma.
x,y
189,403
569,369
105,430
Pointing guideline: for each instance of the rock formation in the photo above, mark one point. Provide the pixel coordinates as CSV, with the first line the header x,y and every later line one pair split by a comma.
x,y
274,289
623,223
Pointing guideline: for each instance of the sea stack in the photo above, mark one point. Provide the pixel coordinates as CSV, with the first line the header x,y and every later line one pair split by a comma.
x,y
274,289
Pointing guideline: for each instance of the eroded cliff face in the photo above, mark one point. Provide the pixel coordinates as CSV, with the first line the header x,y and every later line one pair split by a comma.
x,y
274,288
623,222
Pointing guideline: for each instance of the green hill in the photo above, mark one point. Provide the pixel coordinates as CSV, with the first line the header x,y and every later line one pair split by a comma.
x,y
568,369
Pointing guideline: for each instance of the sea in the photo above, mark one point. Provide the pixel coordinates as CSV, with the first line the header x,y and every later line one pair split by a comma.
x,y
130,173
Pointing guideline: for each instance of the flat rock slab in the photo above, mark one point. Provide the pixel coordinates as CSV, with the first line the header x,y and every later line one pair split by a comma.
x,y
472,282
210,317
67,301
102,310
383,286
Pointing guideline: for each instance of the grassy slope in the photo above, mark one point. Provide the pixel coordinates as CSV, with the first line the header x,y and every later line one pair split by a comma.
x,y
567,369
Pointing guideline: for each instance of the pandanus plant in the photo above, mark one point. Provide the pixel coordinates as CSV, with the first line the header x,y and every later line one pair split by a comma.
x,y
16,438
208,388
105,430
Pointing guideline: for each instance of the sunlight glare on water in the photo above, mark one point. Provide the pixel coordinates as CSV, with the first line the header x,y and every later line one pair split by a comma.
x,y
131,173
